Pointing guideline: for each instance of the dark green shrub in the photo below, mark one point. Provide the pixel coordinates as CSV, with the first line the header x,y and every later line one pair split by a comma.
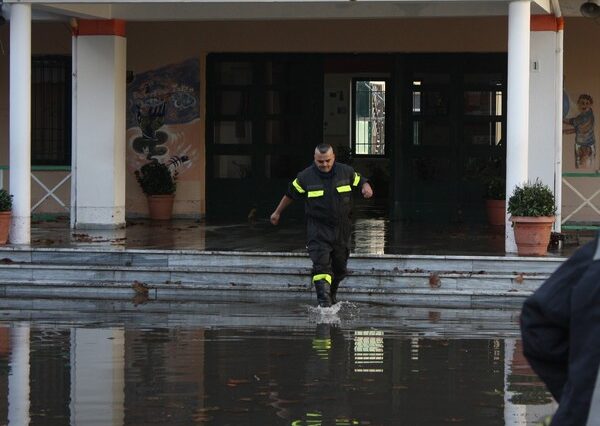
x,y
532,199
156,179
5,201
495,188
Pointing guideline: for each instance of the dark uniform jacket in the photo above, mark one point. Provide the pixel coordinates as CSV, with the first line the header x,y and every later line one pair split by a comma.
x,y
328,201
560,325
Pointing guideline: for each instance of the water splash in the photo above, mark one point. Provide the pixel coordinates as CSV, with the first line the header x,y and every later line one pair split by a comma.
x,y
333,314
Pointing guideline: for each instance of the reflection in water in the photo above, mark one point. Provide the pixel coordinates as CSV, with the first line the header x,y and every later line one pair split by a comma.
x,y
370,236
327,374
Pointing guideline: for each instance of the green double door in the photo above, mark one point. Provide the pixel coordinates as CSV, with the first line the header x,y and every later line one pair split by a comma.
x,y
451,135
264,117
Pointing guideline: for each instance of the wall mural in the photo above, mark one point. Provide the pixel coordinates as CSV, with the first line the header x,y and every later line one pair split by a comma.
x,y
163,117
581,124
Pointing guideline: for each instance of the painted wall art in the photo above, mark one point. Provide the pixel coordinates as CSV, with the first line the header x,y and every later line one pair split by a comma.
x,y
163,117
581,125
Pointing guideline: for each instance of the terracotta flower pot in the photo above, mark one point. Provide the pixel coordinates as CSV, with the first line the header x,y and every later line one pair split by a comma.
x,y
495,210
4,226
532,234
160,207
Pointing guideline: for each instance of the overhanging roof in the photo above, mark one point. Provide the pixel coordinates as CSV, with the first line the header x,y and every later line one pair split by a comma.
x,y
204,10
211,10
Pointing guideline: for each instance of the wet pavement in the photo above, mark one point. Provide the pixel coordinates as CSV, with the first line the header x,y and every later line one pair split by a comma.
x,y
233,363
371,235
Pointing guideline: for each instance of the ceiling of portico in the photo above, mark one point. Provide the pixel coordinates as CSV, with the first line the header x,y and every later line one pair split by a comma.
x,y
211,10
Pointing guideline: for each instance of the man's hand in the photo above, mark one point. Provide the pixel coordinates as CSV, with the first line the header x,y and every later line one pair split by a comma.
x,y
275,218
285,201
367,191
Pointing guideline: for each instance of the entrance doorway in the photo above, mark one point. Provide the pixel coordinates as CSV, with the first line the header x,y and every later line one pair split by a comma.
x,y
426,128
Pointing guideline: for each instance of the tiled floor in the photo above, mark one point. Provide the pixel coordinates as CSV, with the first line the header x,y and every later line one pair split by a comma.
x,y
370,236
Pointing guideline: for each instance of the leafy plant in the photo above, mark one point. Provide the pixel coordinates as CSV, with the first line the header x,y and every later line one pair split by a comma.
x,y
532,199
495,188
5,201
156,178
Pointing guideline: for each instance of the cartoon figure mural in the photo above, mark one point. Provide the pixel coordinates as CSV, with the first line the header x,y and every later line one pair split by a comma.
x,y
162,116
582,125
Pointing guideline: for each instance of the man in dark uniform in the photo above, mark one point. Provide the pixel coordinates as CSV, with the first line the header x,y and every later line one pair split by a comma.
x,y
560,326
326,187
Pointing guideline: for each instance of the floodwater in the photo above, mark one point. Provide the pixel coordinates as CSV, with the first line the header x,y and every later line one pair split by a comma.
x,y
252,365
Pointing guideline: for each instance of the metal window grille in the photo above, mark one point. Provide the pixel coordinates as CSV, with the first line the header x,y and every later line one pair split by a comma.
x,y
51,110
370,118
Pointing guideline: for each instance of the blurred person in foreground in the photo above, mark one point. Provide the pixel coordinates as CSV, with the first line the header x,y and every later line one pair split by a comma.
x,y
560,327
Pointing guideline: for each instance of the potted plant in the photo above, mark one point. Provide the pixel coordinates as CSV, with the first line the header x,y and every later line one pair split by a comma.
x,y
495,200
532,208
5,214
159,184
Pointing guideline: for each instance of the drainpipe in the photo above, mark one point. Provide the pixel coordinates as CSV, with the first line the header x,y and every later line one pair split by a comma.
x,y
559,115
73,213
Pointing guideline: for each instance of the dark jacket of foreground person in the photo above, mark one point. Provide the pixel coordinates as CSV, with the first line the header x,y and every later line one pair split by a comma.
x,y
560,326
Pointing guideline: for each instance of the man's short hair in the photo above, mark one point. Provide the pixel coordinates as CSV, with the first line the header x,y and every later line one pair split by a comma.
x,y
323,148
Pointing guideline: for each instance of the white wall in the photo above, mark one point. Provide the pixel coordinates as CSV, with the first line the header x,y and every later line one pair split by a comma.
x,y
542,107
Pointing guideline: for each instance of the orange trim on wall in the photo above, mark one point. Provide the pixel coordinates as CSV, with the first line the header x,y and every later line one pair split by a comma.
x,y
87,27
546,23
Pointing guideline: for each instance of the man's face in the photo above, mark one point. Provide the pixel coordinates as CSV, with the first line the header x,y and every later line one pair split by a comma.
x,y
324,162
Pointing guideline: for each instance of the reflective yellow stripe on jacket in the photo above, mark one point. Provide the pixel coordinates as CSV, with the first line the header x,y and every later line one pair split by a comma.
x,y
298,187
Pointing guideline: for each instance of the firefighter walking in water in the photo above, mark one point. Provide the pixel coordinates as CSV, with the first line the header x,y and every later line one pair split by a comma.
x,y
326,188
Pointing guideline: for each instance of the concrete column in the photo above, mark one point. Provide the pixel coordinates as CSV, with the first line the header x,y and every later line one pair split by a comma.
x,y
99,110
517,120
20,122
18,378
545,109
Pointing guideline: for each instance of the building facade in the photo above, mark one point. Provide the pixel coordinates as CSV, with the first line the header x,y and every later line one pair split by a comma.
x,y
429,98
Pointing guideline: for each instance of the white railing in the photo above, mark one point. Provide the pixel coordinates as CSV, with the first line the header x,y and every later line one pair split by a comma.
x,y
49,190
586,201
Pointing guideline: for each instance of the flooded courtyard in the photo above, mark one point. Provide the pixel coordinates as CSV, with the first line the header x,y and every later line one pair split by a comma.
x,y
273,362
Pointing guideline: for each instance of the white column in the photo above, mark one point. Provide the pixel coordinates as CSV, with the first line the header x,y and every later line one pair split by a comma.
x,y
18,378
517,120
20,122
99,165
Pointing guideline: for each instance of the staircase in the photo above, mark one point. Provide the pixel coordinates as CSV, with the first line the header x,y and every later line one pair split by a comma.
x,y
415,280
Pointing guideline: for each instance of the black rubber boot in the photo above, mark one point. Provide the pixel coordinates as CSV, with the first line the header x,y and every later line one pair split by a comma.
x,y
333,291
323,293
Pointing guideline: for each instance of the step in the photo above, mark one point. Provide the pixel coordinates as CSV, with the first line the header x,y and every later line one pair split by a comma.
x,y
397,279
